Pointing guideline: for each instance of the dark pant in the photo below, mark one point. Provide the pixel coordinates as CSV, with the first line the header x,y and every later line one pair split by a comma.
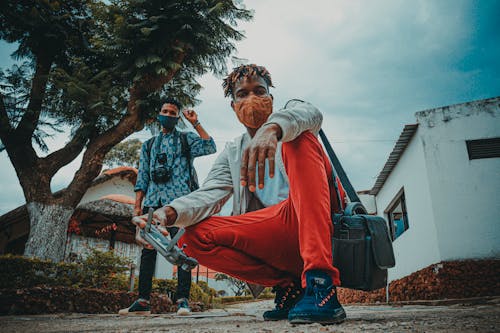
x,y
148,263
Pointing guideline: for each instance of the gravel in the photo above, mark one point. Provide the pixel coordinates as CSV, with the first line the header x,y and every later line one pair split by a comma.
x,y
247,317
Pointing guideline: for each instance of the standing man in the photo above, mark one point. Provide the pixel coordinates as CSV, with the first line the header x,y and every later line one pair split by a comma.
x,y
280,231
166,172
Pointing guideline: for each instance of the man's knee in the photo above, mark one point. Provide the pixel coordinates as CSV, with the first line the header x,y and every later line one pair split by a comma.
x,y
196,239
306,140
306,145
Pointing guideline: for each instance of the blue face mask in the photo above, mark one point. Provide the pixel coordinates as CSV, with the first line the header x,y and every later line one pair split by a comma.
x,y
168,122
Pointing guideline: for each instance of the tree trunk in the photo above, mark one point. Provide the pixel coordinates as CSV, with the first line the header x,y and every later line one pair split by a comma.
x,y
48,230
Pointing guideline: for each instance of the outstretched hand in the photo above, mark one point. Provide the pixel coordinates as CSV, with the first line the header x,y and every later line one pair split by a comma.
x,y
163,216
141,221
262,146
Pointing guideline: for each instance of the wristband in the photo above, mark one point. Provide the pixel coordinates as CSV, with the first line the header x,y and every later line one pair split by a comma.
x,y
196,123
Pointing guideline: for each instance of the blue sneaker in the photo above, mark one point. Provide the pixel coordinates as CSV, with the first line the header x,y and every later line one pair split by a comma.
x,y
183,307
319,304
286,298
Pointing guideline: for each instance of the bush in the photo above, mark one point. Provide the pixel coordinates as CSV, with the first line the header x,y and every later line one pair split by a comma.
x,y
164,286
105,270
101,270
267,293
197,294
206,289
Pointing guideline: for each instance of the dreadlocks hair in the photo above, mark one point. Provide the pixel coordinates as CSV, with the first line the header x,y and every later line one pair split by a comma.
x,y
171,100
247,71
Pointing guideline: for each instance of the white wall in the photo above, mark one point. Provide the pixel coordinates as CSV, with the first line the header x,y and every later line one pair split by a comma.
x,y
417,247
368,201
115,185
464,192
82,246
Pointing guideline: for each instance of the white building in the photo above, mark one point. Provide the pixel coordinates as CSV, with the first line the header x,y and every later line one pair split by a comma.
x,y
100,221
438,189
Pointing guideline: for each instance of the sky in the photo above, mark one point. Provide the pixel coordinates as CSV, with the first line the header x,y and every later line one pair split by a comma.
x,y
367,65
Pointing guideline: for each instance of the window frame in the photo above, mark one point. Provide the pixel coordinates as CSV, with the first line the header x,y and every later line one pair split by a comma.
x,y
398,199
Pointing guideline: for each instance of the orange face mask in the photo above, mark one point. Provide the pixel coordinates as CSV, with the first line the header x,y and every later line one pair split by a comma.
x,y
254,111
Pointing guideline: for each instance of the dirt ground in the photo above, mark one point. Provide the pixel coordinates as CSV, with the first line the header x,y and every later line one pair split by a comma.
x,y
247,317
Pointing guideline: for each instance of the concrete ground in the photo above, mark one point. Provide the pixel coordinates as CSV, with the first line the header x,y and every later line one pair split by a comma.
x,y
247,317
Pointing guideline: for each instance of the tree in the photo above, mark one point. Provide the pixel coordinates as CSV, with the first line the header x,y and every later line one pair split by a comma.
x,y
126,153
239,287
101,68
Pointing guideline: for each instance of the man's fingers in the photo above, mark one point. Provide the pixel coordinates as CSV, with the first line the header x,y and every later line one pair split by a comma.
x,y
244,168
252,161
163,231
140,240
140,221
261,163
270,157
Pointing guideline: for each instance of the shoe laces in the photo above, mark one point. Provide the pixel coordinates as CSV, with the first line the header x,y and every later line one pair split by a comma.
x,y
285,295
323,295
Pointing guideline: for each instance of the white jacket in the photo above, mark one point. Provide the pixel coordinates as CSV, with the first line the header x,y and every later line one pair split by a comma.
x,y
223,179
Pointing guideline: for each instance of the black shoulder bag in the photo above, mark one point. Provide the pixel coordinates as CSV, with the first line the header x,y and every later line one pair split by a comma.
x,y
362,248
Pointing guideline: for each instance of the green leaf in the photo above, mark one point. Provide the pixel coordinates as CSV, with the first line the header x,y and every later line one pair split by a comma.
x,y
153,58
141,62
96,105
216,9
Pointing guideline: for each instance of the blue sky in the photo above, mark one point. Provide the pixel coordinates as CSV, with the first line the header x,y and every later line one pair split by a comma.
x,y
368,65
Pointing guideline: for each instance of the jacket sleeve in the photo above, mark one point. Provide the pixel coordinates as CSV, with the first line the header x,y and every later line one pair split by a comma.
x,y
209,198
143,173
296,117
200,146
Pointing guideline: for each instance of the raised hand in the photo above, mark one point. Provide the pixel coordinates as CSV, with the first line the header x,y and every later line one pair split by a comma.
x,y
191,116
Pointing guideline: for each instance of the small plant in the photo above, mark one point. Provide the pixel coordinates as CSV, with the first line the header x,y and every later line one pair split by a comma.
x,y
237,286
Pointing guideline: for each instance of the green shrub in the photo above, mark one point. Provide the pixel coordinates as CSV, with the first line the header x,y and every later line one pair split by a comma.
x,y
208,290
102,270
169,287
266,294
164,286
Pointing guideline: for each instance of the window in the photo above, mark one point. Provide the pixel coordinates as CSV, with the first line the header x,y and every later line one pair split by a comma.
x,y
397,215
483,148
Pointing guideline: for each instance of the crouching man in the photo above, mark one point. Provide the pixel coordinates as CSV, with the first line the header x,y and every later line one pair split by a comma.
x,y
280,230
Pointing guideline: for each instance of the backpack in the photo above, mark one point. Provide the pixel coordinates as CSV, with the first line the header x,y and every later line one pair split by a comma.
x,y
186,152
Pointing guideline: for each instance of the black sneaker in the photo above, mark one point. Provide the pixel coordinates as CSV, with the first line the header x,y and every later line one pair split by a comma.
x,y
319,304
138,308
285,299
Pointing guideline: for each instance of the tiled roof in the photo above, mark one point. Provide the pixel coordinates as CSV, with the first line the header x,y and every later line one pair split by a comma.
x,y
397,152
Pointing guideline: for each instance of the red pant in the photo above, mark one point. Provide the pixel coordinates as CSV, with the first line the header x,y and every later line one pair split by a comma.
x,y
277,244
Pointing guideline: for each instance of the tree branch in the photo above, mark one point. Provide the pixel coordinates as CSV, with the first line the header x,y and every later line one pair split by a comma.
x,y
21,154
29,121
58,159
5,127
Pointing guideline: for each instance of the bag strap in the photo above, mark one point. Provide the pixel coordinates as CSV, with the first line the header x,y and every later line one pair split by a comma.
x,y
337,167
149,145
186,152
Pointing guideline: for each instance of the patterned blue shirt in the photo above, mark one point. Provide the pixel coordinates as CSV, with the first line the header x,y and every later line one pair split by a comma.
x,y
158,195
